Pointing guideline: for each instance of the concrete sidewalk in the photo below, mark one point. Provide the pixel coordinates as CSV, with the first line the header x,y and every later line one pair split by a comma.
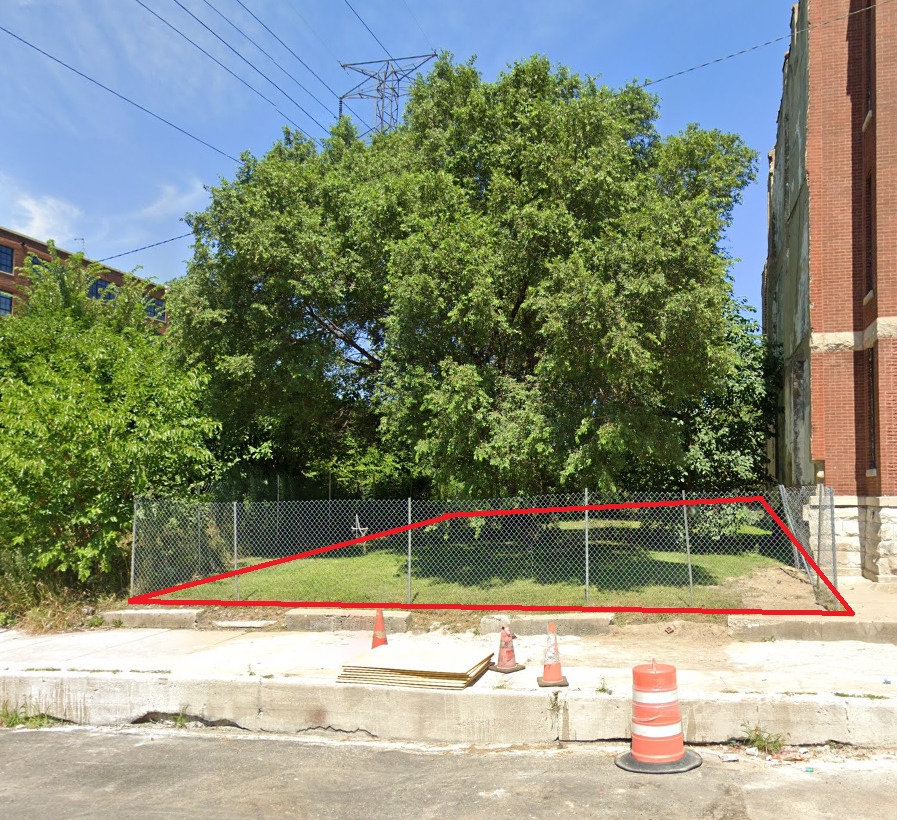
x,y
875,620
286,681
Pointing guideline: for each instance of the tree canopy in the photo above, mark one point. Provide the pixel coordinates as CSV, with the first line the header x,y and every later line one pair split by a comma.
x,y
521,288
93,411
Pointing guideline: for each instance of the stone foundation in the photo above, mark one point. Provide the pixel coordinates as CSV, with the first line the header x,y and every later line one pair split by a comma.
x,y
866,537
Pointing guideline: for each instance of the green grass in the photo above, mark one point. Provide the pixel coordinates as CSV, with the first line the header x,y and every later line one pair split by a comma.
x,y
473,576
483,562
10,718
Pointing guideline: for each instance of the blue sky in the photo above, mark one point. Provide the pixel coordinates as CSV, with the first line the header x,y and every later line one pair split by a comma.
x,y
82,167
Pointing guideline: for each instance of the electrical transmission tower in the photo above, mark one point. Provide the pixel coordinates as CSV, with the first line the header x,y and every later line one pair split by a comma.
x,y
383,83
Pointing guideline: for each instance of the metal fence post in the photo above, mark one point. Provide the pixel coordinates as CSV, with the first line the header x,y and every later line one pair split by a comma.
x,y
798,558
134,547
587,545
831,510
819,515
198,542
277,518
236,577
409,551
691,586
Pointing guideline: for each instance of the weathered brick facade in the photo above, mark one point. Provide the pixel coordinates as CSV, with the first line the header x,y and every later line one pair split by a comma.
x,y
830,283
15,248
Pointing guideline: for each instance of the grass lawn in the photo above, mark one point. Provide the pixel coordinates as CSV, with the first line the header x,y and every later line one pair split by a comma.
x,y
652,579
637,560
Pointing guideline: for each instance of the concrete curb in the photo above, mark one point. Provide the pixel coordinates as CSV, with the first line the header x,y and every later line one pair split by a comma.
x,y
568,623
157,618
766,627
318,619
473,715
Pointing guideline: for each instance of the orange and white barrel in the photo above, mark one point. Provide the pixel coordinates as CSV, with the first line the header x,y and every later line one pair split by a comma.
x,y
656,719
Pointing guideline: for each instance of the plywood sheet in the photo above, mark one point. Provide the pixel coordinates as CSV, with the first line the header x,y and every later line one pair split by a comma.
x,y
432,668
449,661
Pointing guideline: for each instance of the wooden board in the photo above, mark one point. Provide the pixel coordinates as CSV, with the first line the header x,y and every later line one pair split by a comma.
x,y
443,661
417,683
431,668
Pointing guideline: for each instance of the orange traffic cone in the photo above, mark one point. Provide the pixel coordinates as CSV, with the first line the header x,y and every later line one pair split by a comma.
x,y
552,675
506,660
657,741
379,631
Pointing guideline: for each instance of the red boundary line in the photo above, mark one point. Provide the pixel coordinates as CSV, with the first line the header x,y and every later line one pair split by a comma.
x,y
151,597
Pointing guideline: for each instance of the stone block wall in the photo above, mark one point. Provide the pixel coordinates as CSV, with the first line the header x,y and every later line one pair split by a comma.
x,y
866,537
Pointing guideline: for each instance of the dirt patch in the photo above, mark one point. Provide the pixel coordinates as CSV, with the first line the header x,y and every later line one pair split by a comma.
x,y
776,588
208,615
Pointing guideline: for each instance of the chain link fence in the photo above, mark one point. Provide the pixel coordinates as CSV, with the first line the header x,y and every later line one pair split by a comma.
x,y
659,553
809,512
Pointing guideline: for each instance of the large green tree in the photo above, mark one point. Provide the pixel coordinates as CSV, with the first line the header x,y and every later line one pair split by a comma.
x,y
519,289
93,412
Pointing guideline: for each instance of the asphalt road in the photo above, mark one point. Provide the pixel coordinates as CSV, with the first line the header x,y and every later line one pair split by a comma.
x,y
153,772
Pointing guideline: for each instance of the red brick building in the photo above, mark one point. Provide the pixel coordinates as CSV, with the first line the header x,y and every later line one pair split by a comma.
x,y
830,282
15,248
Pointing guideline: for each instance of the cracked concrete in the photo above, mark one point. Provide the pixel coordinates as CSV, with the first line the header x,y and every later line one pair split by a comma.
x,y
286,682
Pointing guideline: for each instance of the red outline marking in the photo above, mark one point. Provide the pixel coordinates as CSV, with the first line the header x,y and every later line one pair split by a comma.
x,y
151,597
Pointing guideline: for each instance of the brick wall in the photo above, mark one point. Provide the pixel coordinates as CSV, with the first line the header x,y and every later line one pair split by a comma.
x,y
24,247
845,146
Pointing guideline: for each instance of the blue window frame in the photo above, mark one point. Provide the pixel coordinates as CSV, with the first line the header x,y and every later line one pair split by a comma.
x,y
5,259
155,309
98,290
5,303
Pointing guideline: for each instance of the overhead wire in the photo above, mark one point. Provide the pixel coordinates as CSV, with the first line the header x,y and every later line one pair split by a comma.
x,y
247,37
312,29
767,43
419,27
145,247
117,94
295,55
253,67
361,20
214,59
228,156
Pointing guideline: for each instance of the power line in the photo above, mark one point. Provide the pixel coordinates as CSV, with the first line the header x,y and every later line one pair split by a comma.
x,y
368,28
145,247
311,28
256,70
120,96
217,61
419,27
246,36
301,61
767,43
295,55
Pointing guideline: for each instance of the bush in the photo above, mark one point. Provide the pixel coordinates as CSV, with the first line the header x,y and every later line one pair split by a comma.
x,y
92,413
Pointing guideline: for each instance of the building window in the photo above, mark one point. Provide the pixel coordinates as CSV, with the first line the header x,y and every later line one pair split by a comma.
x,y
870,378
870,257
5,259
98,290
155,309
870,58
5,303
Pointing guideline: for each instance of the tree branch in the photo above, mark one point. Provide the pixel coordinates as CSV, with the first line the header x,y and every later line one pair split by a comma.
x,y
336,330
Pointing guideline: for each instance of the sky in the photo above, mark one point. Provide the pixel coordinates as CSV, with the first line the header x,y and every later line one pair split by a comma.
x,y
94,173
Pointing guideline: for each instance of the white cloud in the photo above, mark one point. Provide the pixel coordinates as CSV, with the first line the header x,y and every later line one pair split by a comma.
x,y
48,216
173,202
42,216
